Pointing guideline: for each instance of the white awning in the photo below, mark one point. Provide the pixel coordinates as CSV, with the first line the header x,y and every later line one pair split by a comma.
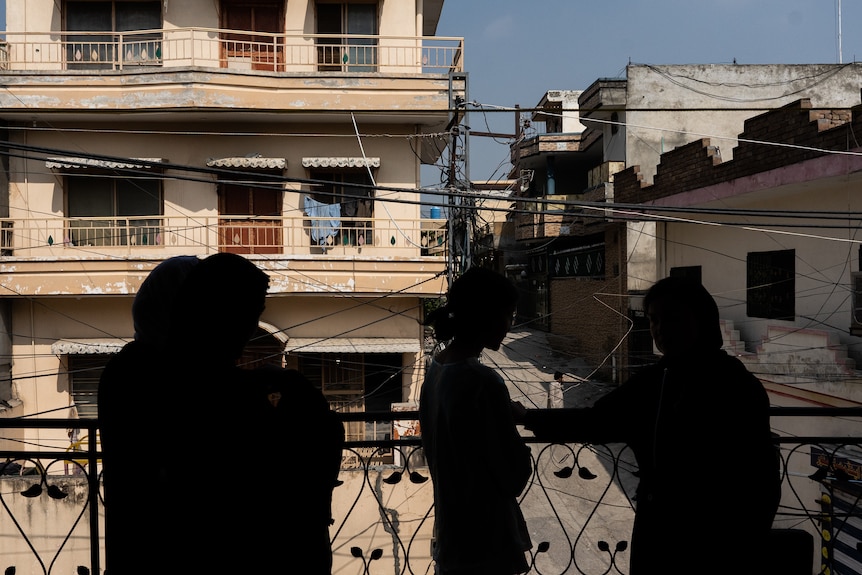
x,y
248,162
340,162
85,345
352,345
273,331
66,162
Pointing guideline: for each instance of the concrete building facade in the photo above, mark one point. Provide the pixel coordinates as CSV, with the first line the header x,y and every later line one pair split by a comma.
x,y
587,262
290,132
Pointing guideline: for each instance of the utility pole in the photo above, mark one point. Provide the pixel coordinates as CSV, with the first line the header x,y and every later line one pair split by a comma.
x,y
461,211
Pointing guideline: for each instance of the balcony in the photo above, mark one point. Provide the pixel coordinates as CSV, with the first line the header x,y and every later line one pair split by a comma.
x,y
232,49
578,505
188,74
294,236
109,251
541,218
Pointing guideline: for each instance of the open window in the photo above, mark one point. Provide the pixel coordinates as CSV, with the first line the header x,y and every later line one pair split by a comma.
x,y
347,193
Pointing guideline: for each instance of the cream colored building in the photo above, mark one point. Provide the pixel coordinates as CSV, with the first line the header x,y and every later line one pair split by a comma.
x,y
291,132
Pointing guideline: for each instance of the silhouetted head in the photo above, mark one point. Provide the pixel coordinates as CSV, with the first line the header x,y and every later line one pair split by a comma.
x,y
479,307
683,317
218,306
151,309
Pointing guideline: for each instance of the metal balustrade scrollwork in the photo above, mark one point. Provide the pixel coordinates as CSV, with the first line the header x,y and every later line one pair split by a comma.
x,y
579,505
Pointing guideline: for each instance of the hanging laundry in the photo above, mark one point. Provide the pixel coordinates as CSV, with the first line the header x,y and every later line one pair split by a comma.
x,y
325,219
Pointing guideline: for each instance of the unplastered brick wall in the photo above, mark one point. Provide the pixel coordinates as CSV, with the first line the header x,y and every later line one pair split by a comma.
x,y
589,313
807,130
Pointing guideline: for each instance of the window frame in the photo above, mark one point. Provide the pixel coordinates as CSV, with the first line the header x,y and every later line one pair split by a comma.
x,y
251,231
140,229
348,53
332,186
108,49
83,372
771,285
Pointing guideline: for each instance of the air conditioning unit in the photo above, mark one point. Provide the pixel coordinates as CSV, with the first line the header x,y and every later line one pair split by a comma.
x,y
856,315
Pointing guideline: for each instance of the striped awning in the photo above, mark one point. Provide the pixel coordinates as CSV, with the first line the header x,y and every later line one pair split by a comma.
x,y
71,162
352,345
87,345
248,162
340,162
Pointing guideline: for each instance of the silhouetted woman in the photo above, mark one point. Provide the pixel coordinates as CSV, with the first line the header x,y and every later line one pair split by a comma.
x,y
478,462
698,424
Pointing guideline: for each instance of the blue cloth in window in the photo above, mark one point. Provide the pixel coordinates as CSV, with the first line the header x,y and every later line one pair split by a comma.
x,y
325,219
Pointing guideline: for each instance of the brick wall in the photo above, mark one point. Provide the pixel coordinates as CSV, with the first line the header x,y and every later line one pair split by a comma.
x,y
583,327
698,164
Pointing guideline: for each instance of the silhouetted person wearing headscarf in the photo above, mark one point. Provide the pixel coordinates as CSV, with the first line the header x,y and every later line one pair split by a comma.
x,y
216,523
225,490
478,462
135,426
188,505
698,424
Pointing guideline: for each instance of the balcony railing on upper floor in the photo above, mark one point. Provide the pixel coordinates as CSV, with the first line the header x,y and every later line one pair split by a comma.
x,y
578,505
231,49
299,235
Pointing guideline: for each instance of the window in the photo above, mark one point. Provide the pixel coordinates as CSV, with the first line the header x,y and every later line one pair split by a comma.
x,y
353,192
105,211
250,217
84,374
856,317
341,377
110,49
771,284
357,382
693,273
354,50
259,50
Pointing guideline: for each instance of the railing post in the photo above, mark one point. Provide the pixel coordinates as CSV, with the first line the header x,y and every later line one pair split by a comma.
x,y
93,483
119,56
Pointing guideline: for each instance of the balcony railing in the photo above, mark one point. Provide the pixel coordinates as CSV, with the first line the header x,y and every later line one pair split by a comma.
x,y
578,505
299,235
232,49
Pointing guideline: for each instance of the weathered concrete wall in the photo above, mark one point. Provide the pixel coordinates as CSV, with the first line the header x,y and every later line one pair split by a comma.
x,y
668,106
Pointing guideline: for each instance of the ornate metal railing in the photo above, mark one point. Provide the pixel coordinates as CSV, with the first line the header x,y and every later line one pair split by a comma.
x,y
298,235
578,505
57,50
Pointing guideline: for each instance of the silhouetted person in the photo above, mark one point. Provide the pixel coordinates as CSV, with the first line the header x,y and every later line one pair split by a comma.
x,y
220,521
294,414
134,427
224,490
478,462
697,422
